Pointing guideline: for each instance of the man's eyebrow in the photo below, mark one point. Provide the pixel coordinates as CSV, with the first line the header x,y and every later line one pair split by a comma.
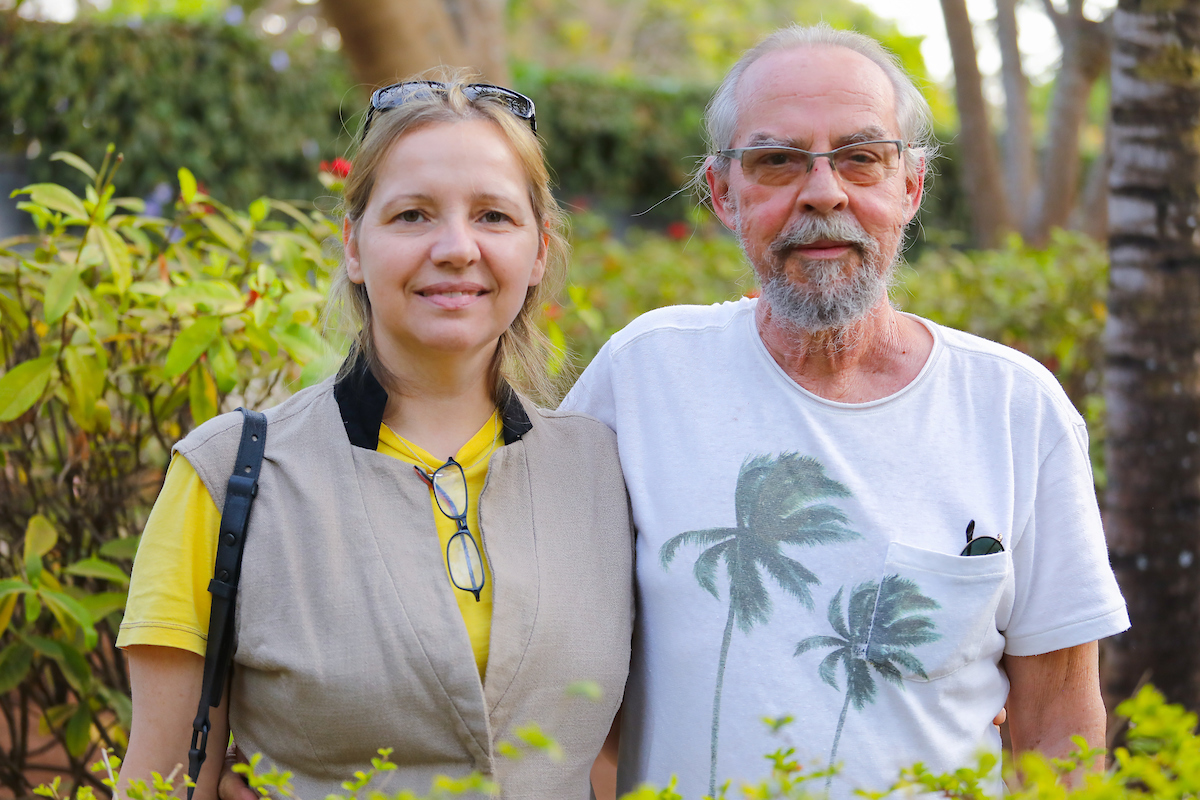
x,y
763,140
871,134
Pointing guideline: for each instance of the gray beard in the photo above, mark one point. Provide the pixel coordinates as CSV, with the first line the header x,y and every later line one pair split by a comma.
x,y
828,300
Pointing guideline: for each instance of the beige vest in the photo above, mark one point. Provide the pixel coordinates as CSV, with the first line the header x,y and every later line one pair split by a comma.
x,y
348,636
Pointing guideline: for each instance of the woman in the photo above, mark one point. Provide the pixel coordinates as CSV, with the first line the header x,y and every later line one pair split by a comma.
x,y
354,631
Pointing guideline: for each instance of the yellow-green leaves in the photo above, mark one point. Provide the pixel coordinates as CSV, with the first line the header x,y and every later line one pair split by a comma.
x,y
60,291
187,185
23,385
57,198
190,343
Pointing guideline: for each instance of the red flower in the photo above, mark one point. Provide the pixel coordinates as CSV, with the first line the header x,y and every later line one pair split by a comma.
x,y
339,167
252,298
677,230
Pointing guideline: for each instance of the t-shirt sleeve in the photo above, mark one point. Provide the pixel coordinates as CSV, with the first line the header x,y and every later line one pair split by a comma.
x,y
168,601
1066,593
593,393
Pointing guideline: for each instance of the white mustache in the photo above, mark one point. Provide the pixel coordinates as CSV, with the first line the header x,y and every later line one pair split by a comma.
x,y
835,228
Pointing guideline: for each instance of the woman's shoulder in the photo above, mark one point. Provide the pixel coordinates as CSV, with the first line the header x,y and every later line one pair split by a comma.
x,y
212,446
570,424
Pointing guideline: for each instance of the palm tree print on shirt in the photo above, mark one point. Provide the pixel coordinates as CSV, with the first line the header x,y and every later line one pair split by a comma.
x,y
882,625
775,503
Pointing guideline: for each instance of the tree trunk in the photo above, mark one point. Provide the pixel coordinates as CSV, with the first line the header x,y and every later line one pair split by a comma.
x,y
389,40
981,168
1019,174
1085,56
1152,370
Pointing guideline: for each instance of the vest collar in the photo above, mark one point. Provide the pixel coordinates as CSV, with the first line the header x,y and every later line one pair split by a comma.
x,y
362,400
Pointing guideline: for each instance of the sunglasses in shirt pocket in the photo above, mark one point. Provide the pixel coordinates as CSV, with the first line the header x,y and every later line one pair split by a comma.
x,y
935,610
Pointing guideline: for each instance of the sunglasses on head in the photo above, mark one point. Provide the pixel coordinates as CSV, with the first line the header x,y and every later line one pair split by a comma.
x,y
398,94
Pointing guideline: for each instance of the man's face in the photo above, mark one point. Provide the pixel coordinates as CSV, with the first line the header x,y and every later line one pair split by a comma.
x,y
819,242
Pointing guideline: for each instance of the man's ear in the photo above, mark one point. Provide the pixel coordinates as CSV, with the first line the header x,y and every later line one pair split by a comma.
x,y
914,190
718,190
350,246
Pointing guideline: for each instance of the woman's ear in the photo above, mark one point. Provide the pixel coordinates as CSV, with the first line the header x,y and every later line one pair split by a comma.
x,y
539,265
350,245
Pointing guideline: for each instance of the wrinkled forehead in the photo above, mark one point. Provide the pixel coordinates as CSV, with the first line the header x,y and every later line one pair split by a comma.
x,y
814,96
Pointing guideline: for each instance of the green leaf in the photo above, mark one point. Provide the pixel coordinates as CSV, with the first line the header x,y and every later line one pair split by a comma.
x,y
229,235
23,385
189,344
67,609
60,292
75,161
78,734
223,362
101,604
202,395
259,209
187,185
14,664
40,537
57,198
120,549
116,253
7,606
301,342
97,568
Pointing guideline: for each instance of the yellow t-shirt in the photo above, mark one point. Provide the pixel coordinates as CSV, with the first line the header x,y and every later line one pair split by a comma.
x,y
169,602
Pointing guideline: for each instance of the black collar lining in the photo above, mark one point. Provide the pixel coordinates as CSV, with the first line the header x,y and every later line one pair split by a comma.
x,y
362,401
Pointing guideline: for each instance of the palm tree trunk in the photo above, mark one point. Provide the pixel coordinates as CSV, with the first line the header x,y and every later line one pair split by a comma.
x,y
712,771
837,737
1152,375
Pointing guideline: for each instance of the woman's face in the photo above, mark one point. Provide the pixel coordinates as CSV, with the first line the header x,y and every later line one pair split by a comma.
x,y
448,244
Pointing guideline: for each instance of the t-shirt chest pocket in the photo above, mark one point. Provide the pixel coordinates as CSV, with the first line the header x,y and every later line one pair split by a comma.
x,y
936,609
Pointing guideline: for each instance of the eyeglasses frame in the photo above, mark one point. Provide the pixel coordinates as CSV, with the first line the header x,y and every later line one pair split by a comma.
x,y
511,99
460,521
736,153
980,545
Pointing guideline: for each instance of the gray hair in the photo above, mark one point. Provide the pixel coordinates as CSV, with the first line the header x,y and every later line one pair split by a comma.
x,y
912,110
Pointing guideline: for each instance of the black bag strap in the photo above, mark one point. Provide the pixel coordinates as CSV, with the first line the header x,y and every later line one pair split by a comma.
x,y
239,497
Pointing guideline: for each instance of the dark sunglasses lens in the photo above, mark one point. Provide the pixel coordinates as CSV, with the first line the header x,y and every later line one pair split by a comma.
x,y
983,546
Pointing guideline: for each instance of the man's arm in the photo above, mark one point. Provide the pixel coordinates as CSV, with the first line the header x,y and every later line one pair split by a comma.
x,y
1053,697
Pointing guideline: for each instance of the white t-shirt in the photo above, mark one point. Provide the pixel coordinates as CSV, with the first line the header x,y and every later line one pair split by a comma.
x,y
817,505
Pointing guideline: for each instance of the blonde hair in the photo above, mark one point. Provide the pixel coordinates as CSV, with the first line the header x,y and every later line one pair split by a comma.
x,y
524,350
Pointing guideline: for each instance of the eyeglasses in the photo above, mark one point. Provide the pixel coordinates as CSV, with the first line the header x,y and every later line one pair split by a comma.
x,y
980,545
449,485
398,94
861,163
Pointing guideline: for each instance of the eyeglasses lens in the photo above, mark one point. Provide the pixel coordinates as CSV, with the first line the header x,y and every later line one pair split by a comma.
x,y
450,490
982,546
464,562
864,164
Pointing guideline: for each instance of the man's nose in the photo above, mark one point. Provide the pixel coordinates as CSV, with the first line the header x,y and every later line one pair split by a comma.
x,y
821,189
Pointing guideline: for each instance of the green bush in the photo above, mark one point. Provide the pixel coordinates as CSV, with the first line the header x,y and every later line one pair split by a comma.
x,y
118,332
171,94
1161,760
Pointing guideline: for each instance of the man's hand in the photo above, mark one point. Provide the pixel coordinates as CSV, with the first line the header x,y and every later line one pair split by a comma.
x,y
1053,697
231,785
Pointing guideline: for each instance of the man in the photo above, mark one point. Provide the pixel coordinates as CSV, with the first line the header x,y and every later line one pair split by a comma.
x,y
883,528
